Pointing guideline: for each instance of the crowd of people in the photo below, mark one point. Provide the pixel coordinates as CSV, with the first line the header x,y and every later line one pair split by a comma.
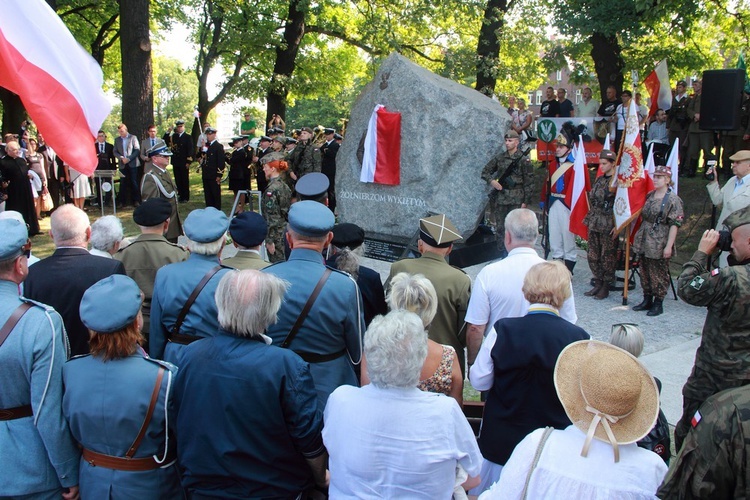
x,y
290,370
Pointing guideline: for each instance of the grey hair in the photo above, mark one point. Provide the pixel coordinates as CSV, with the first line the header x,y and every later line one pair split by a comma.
x,y
522,225
414,293
396,347
347,260
248,301
211,248
627,336
68,225
106,232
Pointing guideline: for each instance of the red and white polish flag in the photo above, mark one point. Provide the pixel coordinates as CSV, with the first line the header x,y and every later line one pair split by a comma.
x,y
382,159
673,162
632,184
579,194
657,84
59,83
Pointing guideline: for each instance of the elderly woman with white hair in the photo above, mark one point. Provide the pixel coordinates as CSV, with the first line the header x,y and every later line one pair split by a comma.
x,y
389,439
106,236
515,366
441,371
248,422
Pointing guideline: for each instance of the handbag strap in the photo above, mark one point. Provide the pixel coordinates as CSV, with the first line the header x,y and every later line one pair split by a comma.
x,y
547,431
154,396
305,310
15,317
194,295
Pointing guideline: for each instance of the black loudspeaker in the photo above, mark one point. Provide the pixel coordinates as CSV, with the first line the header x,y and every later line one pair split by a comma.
x,y
721,99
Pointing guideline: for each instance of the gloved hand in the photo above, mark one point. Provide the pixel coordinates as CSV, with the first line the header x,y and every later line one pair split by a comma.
x,y
541,205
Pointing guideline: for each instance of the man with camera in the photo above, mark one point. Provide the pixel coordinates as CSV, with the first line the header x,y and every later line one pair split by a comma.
x,y
723,358
734,195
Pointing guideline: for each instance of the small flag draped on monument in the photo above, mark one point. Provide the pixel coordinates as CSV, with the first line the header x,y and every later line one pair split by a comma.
x,y
382,159
579,198
59,83
657,84
631,182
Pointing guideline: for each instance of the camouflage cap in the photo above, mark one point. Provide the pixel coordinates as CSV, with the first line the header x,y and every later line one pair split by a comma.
x,y
737,219
438,231
606,154
272,157
512,134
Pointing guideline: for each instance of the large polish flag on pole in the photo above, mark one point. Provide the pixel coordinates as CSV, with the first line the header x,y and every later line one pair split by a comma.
x,y
59,83
382,159
657,84
631,182
579,199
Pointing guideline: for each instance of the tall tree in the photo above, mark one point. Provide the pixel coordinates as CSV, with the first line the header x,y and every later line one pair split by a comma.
x,y
137,75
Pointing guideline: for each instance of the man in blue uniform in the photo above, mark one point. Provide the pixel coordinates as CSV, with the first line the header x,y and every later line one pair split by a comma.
x,y
39,458
175,320
330,334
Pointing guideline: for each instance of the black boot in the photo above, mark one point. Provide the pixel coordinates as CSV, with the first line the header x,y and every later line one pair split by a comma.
x,y
648,301
570,264
656,309
597,285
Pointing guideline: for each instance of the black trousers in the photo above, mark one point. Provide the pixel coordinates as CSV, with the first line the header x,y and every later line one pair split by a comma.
x,y
212,192
182,181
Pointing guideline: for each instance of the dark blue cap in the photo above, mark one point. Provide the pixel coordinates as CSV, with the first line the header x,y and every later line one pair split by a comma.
x,y
152,212
248,229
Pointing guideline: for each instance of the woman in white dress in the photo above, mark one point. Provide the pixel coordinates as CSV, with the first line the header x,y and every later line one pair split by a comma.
x,y
80,188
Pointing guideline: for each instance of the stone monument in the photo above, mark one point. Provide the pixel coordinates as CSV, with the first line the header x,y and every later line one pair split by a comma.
x,y
448,134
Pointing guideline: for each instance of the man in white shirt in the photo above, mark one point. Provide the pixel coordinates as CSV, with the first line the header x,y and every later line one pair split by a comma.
x,y
658,134
734,195
497,289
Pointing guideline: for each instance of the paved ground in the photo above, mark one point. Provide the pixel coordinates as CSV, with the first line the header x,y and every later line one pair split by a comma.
x,y
671,339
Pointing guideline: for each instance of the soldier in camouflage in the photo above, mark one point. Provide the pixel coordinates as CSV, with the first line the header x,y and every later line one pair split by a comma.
x,y
276,200
511,177
723,358
306,156
600,220
713,462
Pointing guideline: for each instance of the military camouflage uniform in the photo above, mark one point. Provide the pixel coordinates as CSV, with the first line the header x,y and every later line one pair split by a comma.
x,y
306,158
723,358
518,188
713,463
600,221
651,239
276,202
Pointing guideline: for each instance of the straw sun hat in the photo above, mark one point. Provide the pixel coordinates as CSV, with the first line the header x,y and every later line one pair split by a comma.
x,y
606,393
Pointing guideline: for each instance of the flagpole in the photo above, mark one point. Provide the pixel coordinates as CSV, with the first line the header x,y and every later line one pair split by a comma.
x,y
627,267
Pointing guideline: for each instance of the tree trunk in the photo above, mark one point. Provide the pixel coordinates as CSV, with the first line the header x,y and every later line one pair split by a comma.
x,y
286,54
137,77
13,112
488,45
607,56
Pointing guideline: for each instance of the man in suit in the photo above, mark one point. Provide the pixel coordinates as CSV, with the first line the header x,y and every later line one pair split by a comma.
x,y
453,286
329,150
61,279
105,154
213,169
182,155
148,142
127,151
